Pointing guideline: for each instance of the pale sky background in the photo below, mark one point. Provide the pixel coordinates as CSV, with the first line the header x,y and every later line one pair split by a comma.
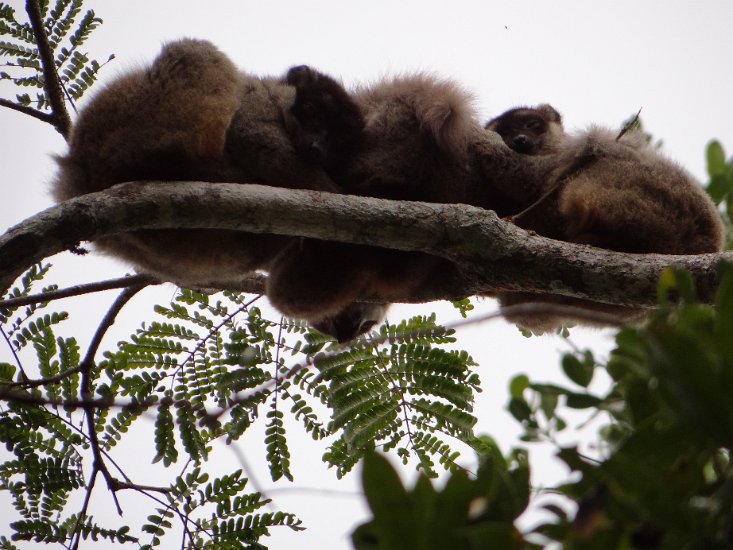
x,y
596,62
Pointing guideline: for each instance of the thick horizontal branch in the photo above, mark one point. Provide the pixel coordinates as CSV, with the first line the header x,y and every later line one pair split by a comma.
x,y
491,255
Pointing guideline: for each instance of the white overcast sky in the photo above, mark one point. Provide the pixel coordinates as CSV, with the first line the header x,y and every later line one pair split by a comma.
x,y
596,62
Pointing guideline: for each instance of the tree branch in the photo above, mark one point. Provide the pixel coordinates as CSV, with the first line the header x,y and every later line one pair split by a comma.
x,y
492,255
51,81
85,367
76,290
30,111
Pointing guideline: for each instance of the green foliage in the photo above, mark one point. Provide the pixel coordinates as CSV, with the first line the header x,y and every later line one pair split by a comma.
x,y
67,29
233,524
467,513
47,450
206,368
663,478
720,185
408,395
463,306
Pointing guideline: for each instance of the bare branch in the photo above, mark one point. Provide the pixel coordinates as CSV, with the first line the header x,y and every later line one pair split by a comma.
x,y
76,532
27,398
85,367
539,309
76,290
119,485
30,111
492,255
51,82
88,362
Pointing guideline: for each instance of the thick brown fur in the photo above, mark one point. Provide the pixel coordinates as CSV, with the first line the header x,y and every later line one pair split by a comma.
x,y
614,193
405,138
191,115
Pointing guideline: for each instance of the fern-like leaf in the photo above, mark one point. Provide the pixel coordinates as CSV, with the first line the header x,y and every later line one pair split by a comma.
x,y
278,455
66,34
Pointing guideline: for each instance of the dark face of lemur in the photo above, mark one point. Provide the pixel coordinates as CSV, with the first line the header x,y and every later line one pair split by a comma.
x,y
529,131
327,121
356,319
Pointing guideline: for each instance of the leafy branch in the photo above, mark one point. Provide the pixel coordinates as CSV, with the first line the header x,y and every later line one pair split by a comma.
x,y
48,45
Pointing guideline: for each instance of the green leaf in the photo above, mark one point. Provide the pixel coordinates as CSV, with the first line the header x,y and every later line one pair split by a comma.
x,y
6,372
517,385
581,400
719,187
389,503
165,441
580,372
715,158
548,404
724,307
676,283
520,409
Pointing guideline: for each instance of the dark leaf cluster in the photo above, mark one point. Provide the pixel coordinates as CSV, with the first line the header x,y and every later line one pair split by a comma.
x,y
468,513
663,478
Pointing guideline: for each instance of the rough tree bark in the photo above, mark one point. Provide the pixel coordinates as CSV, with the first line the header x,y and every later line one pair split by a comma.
x,y
491,255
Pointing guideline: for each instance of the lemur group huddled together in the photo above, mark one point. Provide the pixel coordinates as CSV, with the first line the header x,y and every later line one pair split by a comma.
x,y
192,115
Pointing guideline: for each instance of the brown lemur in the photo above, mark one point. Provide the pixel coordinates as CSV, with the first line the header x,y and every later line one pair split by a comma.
x,y
190,115
609,190
406,138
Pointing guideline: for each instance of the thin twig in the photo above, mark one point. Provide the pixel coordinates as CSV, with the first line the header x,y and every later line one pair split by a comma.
x,y
561,180
51,81
106,454
87,365
629,125
77,290
30,111
244,463
560,310
14,352
84,508
107,322
88,405
118,485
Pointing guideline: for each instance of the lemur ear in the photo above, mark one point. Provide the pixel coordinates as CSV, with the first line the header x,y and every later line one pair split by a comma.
x,y
549,113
